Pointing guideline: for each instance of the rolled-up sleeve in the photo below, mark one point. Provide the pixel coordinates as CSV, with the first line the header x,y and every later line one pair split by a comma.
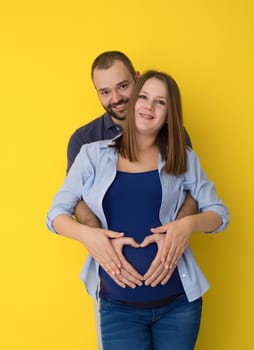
x,y
70,193
203,191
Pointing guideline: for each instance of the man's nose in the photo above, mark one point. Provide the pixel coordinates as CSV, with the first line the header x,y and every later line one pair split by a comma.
x,y
115,96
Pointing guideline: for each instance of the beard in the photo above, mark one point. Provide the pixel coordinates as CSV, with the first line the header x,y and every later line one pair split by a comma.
x,y
121,114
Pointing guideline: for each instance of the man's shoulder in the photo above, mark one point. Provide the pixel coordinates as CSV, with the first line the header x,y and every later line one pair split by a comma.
x,y
101,128
92,126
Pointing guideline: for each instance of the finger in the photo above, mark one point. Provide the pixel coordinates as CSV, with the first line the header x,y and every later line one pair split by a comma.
x,y
148,240
130,241
112,267
165,274
123,279
170,253
151,277
168,275
114,259
129,280
111,262
118,281
153,269
113,234
164,277
133,274
172,258
160,229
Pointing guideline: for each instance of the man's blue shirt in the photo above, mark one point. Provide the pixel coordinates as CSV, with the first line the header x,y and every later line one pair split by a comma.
x,y
101,128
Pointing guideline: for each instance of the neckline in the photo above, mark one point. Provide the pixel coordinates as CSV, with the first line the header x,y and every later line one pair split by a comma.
x,y
136,173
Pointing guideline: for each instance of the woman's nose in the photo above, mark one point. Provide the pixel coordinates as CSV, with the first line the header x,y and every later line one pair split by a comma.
x,y
149,105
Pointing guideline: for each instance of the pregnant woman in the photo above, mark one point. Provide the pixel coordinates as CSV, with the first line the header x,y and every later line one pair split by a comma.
x,y
135,185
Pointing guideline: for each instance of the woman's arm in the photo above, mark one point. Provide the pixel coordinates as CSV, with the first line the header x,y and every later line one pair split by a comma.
x,y
173,238
103,246
95,240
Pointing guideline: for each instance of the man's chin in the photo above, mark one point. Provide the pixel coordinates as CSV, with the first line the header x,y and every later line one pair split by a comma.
x,y
117,116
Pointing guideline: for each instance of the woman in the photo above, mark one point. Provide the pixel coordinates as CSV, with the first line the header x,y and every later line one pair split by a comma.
x,y
136,185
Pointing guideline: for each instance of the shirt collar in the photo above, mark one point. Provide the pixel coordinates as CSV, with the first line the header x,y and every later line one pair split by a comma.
x,y
108,121
109,124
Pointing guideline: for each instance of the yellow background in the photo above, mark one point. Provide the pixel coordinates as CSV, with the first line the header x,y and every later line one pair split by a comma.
x,y
47,48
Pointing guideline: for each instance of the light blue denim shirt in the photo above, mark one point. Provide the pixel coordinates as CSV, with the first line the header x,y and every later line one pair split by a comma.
x,y
89,178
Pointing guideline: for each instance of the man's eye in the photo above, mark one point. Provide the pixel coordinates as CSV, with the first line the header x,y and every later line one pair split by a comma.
x,y
104,93
123,86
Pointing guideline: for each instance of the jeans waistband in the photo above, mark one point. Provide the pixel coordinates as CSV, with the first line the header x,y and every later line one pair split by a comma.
x,y
149,304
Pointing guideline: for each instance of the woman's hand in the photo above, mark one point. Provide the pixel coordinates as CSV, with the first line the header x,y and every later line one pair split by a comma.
x,y
128,275
172,239
98,243
106,247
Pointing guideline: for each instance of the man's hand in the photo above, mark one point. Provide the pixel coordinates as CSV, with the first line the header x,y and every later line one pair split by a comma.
x,y
172,239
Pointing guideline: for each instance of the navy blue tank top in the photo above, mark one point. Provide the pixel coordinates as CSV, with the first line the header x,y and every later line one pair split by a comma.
x,y
132,205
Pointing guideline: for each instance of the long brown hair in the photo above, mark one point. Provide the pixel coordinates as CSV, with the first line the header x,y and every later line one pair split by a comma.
x,y
171,137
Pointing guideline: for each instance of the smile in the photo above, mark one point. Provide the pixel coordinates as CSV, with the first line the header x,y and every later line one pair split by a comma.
x,y
119,107
146,116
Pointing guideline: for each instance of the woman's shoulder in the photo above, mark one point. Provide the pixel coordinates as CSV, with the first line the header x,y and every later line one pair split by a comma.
x,y
190,153
97,146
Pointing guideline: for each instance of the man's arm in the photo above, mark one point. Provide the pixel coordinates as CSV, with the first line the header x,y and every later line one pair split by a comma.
x,y
85,216
189,207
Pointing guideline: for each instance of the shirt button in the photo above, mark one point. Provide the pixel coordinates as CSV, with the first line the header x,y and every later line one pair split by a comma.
x,y
183,275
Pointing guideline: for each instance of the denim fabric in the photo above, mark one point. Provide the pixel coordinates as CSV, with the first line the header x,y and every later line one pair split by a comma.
x,y
173,326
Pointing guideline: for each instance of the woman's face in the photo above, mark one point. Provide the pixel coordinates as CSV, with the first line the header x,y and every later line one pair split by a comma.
x,y
151,107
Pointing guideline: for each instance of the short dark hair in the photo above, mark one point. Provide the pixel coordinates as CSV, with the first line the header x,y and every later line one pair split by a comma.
x,y
106,60
171,137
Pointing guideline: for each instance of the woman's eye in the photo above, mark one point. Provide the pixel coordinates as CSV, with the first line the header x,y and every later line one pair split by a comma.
x,y
143,97
161,102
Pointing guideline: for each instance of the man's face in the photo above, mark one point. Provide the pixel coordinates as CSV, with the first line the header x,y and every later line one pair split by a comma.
x,y
114,87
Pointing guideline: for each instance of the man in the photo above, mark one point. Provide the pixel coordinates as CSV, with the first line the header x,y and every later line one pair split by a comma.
x,y
114,77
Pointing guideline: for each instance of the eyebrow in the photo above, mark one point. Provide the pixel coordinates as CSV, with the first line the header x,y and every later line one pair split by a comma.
x,y
144,92
117,85
123,82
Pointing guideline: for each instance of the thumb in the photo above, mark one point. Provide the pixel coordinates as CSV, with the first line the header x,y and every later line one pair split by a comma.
x,y
160,229
113,234
148,240
130,241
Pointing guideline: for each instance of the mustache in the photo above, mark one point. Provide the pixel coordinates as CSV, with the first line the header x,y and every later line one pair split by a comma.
x,y
116,104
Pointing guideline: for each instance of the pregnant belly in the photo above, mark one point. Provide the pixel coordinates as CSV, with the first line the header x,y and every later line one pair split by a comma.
x,y
140,258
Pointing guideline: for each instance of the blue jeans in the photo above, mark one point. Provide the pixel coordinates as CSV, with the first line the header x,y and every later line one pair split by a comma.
x,y
173,326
